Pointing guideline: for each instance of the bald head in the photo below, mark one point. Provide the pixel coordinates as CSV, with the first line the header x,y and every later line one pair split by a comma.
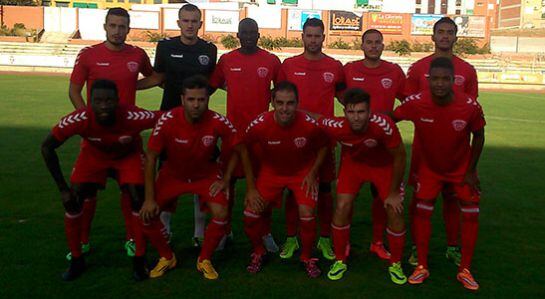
x,y
248,34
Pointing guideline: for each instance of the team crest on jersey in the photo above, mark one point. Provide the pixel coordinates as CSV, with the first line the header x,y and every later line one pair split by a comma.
x,y
132,66
207,140
262,72
459,80
386,82
300,142
370,142
459,124
204,60
328,77
125,139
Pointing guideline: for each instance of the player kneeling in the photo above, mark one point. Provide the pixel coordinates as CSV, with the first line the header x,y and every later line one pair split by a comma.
x,y
293,149
372,151
188,135
111,142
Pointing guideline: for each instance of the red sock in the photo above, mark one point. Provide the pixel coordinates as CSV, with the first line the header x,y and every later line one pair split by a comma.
x,y
308,236
267,221
341,237
325,213
412,212
89,209
292,215
253,227
126,209
138,234
215,230
72,228
154,232
470,228
378,217
231,198
396,240
451,216
422,222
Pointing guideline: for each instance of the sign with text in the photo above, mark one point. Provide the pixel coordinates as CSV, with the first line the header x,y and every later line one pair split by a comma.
x,y
387,23
344,20
470,26
423,24
221,20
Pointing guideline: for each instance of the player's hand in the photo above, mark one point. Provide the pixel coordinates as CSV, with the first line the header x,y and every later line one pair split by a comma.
x,y
395,200
310,184
149,210
472,180
254,201
70,201
219,186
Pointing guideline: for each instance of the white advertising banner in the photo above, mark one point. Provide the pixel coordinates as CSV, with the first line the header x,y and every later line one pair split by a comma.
x,y
221,20
144,19
90,23
59,19
269,18
170,19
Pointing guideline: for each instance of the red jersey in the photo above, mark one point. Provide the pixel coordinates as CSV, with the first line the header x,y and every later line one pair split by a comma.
x,y
384,83
465,77
247,79
369,147
190,147
316,81
443,132
122,67
107,142
287,151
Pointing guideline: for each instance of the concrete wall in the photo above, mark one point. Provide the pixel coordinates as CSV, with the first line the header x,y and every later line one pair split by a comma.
x,y
31,16
517,44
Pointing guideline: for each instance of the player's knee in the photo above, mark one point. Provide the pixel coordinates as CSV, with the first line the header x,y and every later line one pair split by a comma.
x,y
136,193
470,211
324,188
220,213
396,221
424,208
305,211
343,209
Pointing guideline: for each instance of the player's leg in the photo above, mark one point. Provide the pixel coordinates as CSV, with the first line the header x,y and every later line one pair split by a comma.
x,y
199,221
231,195
126,203
308,237
470,225
378,219
340,230
292,222
396,240
325,215
136,196
215,231
451,216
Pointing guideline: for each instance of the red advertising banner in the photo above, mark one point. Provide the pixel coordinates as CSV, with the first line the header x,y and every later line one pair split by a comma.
x,y
387,23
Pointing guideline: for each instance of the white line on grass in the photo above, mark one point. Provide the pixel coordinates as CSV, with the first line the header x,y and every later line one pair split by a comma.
x,y
520,120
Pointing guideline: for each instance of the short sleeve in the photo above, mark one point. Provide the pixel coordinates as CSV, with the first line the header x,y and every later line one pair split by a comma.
x,y
159,64
405,111
391,137
340,83
276,65
477,121
400,93
70,125
218,77
213,59
472,87
412,82
254,130
227,132
142,119
80,73
146,69
157,138
282,73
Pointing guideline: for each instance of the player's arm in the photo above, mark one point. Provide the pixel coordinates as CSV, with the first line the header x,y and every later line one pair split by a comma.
x,y
153,80
477,144
310,181
149,209
49,154
395,198
74,92
223,183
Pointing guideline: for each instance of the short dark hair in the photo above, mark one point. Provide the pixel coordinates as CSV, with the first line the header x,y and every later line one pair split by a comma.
x,y
445,20
314,22
442,62
104,84
371,31
356,95
190,7
118,11
195,82
285,86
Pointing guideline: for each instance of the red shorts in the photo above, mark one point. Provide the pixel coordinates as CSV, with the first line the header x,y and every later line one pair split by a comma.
x,y
255,153
327,172
353,175
91,169
168,188
430,184
271,187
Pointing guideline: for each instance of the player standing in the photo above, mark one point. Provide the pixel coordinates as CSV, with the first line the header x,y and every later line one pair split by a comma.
x,y
111,134
449,125
189,135
384,81
372,151
465,80
246,74
176,59
318,78
294,148
117,61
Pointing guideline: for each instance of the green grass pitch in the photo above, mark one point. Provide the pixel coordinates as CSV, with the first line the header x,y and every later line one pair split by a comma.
x,y
510,249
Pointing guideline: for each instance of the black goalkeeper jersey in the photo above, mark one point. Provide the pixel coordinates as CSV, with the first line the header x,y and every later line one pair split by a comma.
x,y
178,62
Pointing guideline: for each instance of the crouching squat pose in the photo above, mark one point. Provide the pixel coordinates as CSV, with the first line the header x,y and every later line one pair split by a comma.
x,y
111,143
372,151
